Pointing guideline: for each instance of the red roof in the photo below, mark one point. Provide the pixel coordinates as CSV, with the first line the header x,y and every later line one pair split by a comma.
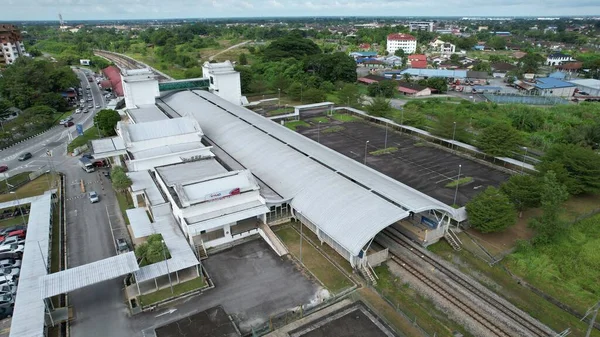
x,y
418,64
417,57
407,90
114,75
364,46
367,80
400,37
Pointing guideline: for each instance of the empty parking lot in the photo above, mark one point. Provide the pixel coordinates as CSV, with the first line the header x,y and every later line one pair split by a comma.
x,y
415,163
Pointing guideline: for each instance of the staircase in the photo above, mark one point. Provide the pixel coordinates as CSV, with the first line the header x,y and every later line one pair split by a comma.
x,y
453,239
369,273
267,234
202,254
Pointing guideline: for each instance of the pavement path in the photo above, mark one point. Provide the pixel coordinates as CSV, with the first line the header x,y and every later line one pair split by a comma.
x,y
224,50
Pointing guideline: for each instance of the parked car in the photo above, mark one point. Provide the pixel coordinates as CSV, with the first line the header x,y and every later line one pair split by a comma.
x,y
94,197
68,124
78,111
3,168
6,298
7,230
70,118
122,246
10,263
85,111
12,248
12,240
90,106
25,156
20,233
6,310
10,273
87,155
62,121
97,106
10,255
10,289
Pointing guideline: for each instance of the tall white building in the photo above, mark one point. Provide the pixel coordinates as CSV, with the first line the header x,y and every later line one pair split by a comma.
x,y
140,87
224,81
420,26
406,42
11,44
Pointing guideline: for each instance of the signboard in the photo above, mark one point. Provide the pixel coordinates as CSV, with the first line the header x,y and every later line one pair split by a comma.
x,y
84,62
428,222
222,194
79,128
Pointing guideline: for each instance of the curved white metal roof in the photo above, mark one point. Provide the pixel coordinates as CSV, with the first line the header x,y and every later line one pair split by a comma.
x,y
299,168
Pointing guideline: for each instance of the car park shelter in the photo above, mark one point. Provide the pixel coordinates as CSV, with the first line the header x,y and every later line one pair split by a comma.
x,y
343,201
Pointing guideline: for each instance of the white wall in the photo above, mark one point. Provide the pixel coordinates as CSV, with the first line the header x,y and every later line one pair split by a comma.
x,y
158,142
559,92
228,87
151,163
139,92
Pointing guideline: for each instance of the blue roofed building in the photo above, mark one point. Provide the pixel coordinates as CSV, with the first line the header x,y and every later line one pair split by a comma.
x,y
357,55
558,75
548,86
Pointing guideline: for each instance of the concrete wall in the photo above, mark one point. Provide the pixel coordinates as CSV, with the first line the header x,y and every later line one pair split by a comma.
x,y
378,258
228,86
559,92
139,92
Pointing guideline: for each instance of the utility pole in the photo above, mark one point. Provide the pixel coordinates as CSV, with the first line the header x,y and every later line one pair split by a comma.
x,y
166,264
366,145
594,312
457,183
453,135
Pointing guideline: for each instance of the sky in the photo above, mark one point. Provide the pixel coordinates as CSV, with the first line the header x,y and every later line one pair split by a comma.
x,y
159,9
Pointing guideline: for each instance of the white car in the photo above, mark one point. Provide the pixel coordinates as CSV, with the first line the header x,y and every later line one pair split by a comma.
x,y
97,106
78,111
10,263
12,240
94,197
10,272
8,288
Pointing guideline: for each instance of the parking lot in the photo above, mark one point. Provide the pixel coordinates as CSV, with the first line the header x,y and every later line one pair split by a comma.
x,y
415,163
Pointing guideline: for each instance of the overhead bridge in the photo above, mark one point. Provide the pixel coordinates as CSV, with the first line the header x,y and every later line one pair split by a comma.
x,y
89,274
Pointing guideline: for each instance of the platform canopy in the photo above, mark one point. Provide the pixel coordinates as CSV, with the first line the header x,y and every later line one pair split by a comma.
x,y
346,200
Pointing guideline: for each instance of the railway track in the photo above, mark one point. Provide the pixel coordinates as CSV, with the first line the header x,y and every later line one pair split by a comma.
x,y
527,324
126,63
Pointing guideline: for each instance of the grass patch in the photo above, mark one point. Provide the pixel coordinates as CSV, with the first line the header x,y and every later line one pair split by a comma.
x,y
14,221
333,279
280,111
178,289
459,182
125,203
33,188
334,129
387,150
88,135
295,124
15,180
321,119
414,305
345,118
498,280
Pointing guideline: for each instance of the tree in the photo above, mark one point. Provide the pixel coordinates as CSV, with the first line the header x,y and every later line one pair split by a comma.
x,y
385,89
295,91
576,167
399,52
496,42
483,66
106,120
491,211
120,181
293,45
245,78
379,107
438,83
242,59
349,94
549,226
327,87
523,190
152,251
313,95
500,139
451,125
332,67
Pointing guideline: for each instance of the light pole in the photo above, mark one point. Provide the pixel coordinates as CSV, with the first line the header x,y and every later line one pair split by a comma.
x,y
278,98
17,204
524,156
385,142
457,183
162,242
319,132
366,145
453,135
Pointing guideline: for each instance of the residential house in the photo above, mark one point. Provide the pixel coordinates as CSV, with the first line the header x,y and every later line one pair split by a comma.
x,y
413,89
556,59
500,69
393,61
364,46
445,48
370,63
418,61
570,66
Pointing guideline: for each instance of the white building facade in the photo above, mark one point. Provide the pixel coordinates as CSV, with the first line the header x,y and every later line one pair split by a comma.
x,y
420,26
406,42
11,44
558,59
140,87
224,81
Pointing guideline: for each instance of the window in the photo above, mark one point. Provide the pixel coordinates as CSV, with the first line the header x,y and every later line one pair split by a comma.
x,y
212,80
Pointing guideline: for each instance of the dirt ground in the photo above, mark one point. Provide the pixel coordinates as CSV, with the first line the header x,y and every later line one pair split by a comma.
x,y
422,167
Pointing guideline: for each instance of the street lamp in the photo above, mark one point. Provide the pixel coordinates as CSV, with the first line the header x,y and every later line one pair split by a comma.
x,y
162,242
319,132
17,203
366,145
457,183
453,135
278,97
524,155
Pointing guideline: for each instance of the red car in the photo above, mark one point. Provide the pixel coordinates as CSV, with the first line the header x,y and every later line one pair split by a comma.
x,y
3,168
67,124
19,233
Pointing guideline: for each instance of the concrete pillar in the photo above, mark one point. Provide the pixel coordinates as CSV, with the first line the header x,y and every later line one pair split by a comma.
x,y
177,274
138,287
135,200
155,283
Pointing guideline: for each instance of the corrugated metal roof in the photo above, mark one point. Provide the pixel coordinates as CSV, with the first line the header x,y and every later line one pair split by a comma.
x,y
551,83
191,171
159,129
343,207
147,113
140,222
182,256
587,82
28,314
142,181
167,149
88,274
225,207
107,145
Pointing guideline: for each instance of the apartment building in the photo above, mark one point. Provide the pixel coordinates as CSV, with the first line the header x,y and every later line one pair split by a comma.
x,y
11,44
406,42
420,26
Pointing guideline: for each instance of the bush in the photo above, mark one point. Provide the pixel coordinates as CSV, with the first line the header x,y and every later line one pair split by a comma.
x,y
491,211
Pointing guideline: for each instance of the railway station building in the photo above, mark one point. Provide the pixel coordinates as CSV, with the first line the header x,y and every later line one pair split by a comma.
x,y
249,172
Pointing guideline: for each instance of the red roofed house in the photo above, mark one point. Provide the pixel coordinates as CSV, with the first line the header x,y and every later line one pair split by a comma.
x,y
413,89
114,76
418,61
406,42
364,46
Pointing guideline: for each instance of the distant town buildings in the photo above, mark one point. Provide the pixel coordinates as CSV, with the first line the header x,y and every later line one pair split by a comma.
x,y
420,26
444,48
406,42
11,44
556,59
